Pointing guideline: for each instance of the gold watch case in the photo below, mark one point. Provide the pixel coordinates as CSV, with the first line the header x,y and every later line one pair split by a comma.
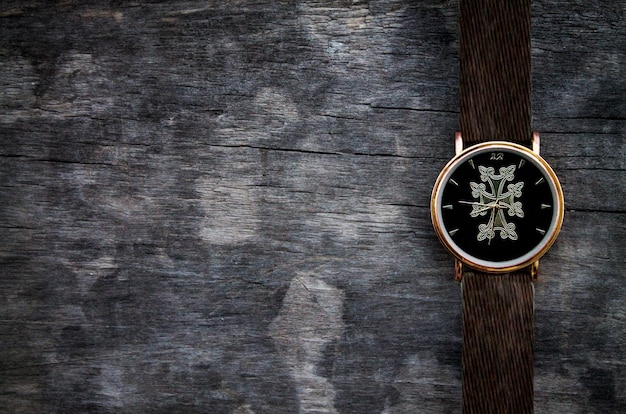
x,y
514,190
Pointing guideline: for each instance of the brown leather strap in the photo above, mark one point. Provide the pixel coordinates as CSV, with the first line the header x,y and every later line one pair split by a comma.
x,y
497,343
494,55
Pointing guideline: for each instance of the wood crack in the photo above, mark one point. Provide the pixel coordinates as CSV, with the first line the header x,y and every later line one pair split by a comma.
x,y
594,211
314,152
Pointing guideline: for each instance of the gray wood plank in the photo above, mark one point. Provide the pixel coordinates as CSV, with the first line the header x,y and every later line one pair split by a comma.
x,y
223,207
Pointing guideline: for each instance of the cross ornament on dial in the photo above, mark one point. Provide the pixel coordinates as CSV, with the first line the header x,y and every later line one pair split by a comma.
x,y
497,206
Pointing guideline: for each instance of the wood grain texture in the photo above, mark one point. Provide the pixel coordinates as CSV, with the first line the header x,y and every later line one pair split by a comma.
x,y
223,207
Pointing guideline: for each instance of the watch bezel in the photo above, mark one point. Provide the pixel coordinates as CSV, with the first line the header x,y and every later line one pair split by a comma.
x,y
485,265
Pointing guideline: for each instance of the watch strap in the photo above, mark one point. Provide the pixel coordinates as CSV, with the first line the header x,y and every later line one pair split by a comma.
x,y
497,342
495,88
494,57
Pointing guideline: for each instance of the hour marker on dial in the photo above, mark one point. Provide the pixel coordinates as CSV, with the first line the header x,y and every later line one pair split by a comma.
x,y
521,162
541,231
453,232
471,163
544,206
447,206
454,182
539,181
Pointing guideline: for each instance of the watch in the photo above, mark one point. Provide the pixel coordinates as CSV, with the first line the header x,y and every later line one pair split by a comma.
x,y
497,206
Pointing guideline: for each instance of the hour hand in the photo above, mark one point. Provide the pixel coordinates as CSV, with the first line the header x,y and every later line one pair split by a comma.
x,y
479,208
476,203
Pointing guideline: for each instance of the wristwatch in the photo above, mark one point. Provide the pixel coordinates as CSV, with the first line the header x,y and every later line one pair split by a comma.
x,y
497,206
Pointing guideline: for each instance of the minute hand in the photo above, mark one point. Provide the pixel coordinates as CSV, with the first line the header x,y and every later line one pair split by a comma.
x,y
479,208
476,203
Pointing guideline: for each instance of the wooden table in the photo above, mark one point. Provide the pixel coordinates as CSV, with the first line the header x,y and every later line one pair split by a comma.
x,y
222,207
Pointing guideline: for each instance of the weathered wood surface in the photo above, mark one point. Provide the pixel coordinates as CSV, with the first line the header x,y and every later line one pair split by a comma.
x,y
222,207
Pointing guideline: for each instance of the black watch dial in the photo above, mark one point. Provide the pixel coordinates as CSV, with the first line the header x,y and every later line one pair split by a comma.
x,y
497,206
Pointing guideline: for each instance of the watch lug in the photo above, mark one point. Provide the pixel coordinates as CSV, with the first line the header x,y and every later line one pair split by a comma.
x,y
535,143
458,270
534,271
458,143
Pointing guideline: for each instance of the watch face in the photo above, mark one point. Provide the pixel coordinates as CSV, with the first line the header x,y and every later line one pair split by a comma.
x,y
497,206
